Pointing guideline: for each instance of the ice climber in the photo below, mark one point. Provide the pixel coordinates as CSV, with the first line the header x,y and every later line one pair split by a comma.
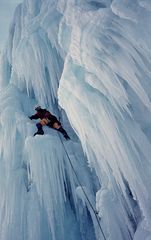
x,y
47,119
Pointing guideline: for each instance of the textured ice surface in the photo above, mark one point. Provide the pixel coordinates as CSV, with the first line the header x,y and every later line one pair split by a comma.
x,y
98,54
38,186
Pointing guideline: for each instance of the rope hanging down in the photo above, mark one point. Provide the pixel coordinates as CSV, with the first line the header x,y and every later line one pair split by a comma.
x,y
83,189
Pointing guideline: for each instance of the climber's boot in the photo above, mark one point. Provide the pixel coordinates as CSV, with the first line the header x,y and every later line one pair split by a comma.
x,y
61,129
40,130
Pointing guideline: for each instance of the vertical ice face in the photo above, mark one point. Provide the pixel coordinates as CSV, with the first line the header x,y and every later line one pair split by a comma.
x,y
98,54
107,77
40,195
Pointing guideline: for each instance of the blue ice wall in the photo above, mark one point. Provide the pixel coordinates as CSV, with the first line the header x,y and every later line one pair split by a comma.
x,y
92,59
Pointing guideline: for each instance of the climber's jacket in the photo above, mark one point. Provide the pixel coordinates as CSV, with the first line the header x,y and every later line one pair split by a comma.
x,y
45,114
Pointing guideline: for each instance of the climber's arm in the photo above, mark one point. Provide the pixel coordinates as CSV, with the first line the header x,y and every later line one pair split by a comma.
x,y
35,116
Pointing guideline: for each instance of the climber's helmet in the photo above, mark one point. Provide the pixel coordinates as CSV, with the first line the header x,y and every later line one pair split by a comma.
x,y
37,108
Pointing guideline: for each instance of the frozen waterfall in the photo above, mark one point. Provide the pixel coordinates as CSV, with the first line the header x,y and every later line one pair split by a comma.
x,y
89,63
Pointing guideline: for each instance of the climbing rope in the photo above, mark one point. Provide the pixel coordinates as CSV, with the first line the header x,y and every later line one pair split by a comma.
x,y
95,212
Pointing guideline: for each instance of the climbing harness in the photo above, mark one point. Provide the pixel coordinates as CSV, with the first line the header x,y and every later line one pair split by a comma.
x,y
95,212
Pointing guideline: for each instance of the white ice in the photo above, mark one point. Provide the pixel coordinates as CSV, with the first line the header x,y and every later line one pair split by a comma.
x,y
88,62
